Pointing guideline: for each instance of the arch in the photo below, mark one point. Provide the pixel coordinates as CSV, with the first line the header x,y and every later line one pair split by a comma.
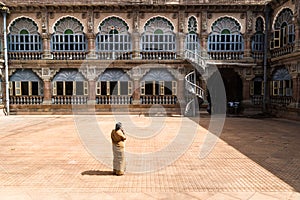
x,y
69,75
68,23
114,75
284,16
158,75
113,24
281,75
158,22
223,23
24,75
23,23
260,24
192,25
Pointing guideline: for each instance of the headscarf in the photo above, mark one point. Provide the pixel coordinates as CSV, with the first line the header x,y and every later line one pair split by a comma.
x,y
118,126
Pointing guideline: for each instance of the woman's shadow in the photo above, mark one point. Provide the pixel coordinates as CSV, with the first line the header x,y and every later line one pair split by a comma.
x,y
97,173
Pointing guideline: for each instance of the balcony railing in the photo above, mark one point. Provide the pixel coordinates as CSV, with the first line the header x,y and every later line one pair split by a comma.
x,y
283,50
62,100
69,55
24,55
257,99
226,55
281,100
114,55
114,99
26,100
155,99
257,55
158,55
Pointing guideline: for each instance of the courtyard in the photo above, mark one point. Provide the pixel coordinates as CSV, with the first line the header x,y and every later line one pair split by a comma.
x,y
63,157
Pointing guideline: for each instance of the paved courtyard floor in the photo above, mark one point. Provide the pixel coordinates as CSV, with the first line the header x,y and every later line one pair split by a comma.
x,y
70,157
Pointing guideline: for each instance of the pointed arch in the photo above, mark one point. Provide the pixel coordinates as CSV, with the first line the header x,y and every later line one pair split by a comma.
x,y
283,16
192,25
24,36
158,36
68,75
226,24
114,75
113,25
23,23
67,24
158,75
24,75
260,24
158,23
113,39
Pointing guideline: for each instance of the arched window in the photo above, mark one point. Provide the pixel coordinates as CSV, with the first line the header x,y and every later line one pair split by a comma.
x,y
257,86
257,40
25,83
192,40
158,36
158,82
69,82
284,29
68,36
113,40
24,37
282,83
225,39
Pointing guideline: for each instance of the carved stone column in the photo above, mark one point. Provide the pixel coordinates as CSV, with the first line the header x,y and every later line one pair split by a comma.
x,y
46,46
180,45
136,36
91,46
92,92
247,75
91,73
297,34
247,50
47,92
46,74
135,75
136,45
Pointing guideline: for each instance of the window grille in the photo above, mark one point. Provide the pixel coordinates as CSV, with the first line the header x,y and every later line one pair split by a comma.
x,y
113,42
24,42
258,42
68,42
192,42
158,42
225,43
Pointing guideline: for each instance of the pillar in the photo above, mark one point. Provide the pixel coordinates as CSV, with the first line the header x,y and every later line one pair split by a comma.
x,y
92,92
91,46
296,89
246,91
136,92
297,35
203,44
136,45
180,45
247,49
46,46
47,92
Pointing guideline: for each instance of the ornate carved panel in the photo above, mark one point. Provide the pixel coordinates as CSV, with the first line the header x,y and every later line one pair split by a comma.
x,y
158,75
114,75
24,75
69,75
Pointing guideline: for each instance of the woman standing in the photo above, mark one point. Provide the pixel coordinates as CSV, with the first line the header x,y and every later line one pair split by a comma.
x,y
118,145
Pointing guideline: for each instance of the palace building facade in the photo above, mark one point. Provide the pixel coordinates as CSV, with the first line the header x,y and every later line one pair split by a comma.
x,y
132,55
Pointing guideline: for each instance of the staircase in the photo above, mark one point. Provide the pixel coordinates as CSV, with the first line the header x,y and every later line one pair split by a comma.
x,y
195,94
